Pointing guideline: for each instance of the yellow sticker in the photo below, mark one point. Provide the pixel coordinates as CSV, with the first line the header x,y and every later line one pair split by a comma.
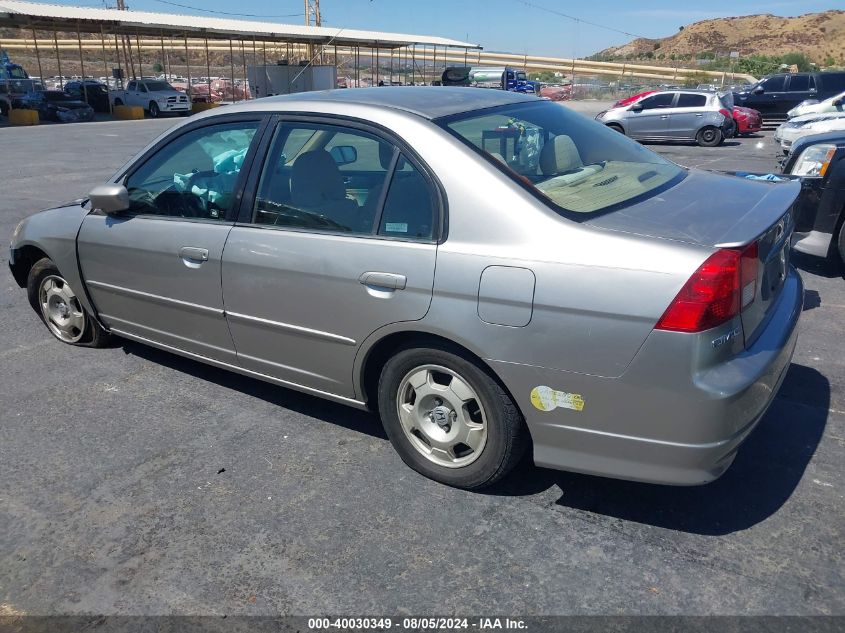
x,y
547,399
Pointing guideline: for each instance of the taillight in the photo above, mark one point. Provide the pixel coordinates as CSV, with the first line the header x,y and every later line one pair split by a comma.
x,y
724,285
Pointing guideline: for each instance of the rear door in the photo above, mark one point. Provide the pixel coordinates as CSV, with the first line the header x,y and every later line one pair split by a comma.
x,y
800,87
321,258
153,272
687,115
653,120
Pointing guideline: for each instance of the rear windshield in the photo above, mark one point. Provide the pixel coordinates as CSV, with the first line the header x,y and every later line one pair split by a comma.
x,y
579,166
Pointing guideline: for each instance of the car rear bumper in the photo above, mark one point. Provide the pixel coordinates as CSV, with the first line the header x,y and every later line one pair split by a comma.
x,y
660,422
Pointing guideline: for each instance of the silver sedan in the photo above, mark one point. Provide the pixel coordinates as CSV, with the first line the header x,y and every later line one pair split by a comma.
x,y
686,115
490,271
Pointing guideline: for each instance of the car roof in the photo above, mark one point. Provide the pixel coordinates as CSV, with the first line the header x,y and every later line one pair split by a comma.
x,y
430,102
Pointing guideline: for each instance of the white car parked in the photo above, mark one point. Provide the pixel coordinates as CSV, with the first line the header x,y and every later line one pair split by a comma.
x,y
155,96
793,129
836,103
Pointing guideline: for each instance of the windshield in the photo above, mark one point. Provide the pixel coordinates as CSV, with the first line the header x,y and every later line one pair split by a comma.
x,y
158,86
59,96
578,165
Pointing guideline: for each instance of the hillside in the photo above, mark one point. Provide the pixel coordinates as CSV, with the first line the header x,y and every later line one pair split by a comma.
x,y
819,36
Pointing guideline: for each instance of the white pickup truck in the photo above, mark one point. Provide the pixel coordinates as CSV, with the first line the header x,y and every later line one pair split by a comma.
x,y
154,95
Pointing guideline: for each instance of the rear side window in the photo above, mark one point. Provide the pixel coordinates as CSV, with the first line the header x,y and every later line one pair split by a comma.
x,y
409,208
691,101
662,100
799,83
832,82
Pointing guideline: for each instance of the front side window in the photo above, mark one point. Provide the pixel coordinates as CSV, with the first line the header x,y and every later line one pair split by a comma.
x,y
193,176
132,86
577,165
323,178
662,100
774,84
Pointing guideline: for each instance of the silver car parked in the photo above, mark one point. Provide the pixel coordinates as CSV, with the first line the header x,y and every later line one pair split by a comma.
x,y
682,115
489,270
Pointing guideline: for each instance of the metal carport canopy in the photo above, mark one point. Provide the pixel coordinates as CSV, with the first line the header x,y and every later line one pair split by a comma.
x,y
14,13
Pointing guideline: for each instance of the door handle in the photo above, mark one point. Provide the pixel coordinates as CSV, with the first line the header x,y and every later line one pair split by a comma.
x,y
193,254
699,114
664,116
383,280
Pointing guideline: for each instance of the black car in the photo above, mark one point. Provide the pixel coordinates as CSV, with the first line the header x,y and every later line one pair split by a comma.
x,y
55,105
93,93
775,95
820,209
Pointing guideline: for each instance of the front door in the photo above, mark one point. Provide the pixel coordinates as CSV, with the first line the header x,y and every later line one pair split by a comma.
x,y
767,97
339,241
154,271
653,120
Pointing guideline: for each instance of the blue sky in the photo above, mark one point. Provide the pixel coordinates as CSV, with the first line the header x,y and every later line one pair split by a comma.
x,y
518,26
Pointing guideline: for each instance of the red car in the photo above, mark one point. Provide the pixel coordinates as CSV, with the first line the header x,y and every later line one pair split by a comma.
x,y
748,121
632,98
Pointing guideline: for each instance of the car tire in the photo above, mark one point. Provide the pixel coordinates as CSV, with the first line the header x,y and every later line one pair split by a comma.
x,y
118,102
52,298
840,242
466,403
154,110
709,136
616,127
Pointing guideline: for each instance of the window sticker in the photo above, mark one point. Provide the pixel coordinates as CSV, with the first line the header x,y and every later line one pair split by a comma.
x,y
396,227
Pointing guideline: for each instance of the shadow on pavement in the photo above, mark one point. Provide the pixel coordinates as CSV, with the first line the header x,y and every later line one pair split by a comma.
x,y
766,470
829,268
312,406
762,478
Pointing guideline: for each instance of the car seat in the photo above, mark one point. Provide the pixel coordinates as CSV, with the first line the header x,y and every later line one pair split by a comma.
x,y
316,184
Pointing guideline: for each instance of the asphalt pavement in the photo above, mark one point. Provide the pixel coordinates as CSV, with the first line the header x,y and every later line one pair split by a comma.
x,y
138,482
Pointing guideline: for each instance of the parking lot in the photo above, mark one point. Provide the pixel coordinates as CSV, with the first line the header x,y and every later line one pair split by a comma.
x,y
139,482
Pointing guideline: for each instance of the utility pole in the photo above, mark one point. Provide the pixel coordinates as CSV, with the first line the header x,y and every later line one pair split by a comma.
x,y
312,7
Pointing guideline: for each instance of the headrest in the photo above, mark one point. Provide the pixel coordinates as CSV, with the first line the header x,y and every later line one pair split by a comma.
x,y
559,156
316,178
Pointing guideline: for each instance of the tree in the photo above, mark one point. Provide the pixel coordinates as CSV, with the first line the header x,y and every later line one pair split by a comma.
x,y
158,67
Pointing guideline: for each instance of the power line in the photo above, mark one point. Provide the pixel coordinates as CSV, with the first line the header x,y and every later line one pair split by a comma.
x,y
244,15
576,19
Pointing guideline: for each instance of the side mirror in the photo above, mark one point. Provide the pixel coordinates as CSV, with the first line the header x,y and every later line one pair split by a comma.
x,y
344,154
758,90
109,198
637,107
838,102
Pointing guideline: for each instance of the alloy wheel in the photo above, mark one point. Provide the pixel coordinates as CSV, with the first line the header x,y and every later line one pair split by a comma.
x,y
442,416
61,310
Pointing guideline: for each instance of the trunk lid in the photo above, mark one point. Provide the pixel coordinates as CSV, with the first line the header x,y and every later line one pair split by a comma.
x,y
721,211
